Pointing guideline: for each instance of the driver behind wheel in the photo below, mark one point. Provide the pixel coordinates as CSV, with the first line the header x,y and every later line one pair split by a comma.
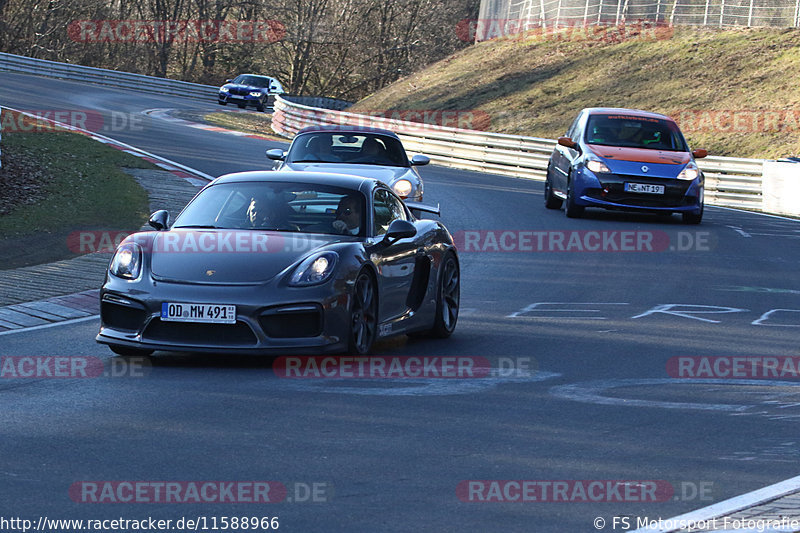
x,y
348,216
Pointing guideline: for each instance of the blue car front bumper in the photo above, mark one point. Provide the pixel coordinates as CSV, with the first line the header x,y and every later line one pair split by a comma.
x,y
607,190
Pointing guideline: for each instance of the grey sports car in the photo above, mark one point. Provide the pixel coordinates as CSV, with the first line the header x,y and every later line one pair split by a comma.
x,y
361,151
281,262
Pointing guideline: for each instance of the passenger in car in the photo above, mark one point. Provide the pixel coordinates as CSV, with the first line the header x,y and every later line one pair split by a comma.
x,y
320,148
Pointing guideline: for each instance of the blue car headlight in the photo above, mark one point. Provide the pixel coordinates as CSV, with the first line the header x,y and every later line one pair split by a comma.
x,y
127,261
690,172
316,268
257,94
223,89
596,166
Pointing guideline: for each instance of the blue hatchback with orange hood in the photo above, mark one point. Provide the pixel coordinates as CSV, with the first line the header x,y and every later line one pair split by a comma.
x,y
625,159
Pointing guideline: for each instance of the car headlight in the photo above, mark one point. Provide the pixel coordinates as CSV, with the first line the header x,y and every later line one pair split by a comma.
x,y
127,261
223,89
257,94
316,268
403,188
689,173
596,166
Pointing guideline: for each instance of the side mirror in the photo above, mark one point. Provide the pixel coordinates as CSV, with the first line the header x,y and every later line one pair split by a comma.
x,y
399,229
569,143
228,81
700,154
159,220
420,160
276,154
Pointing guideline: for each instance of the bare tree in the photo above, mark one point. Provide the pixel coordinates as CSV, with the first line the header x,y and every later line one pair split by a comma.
x,y
340,48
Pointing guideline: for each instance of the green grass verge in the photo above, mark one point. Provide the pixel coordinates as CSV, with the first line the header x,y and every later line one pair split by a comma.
x,y
536,86
85,185
247,122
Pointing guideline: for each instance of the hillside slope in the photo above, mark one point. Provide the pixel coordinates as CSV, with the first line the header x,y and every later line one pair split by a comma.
x,y
734,92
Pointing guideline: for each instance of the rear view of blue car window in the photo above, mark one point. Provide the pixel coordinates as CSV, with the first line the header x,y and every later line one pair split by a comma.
x,y
634,132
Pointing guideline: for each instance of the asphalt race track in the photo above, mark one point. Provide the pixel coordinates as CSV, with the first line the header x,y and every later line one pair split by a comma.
x,y
591,328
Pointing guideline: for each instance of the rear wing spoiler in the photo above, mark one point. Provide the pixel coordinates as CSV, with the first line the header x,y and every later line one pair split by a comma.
x,y
416,206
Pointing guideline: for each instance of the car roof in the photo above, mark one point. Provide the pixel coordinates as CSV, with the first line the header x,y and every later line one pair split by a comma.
x,y
257,75
348,129
622,110
345,181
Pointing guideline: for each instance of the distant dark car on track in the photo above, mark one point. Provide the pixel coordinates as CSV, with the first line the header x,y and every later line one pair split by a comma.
x,y
250,90
360,151
625,159
277,262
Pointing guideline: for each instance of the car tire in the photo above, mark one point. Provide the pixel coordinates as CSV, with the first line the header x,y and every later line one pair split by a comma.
x,y
448,298
363,314
550,200
241,106
260,107
220,102
693,218
572,210
124,351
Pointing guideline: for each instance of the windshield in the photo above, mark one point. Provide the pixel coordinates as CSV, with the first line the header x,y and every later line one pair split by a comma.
x,y
362,149
635,132
274,206
252,81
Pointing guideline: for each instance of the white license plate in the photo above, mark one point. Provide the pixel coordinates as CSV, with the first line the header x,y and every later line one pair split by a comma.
x,y
645,188
204,313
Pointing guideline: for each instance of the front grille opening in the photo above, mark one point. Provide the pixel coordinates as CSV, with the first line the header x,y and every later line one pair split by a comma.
x,y
238,334
129,317
285,323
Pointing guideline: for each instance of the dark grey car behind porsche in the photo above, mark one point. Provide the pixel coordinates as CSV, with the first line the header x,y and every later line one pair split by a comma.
x,y
397,275
345,154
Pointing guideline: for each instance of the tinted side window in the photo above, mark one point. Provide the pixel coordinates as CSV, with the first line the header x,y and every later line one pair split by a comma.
x,y
386,209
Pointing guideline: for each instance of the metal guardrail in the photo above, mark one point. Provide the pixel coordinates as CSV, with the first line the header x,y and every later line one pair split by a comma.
x,y
730,181
319,101
109,78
